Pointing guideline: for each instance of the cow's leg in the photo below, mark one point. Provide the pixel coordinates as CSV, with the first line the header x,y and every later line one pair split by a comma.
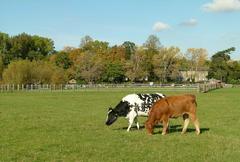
x,y
136,121
195,122
165,126
186,122
130,124
132,115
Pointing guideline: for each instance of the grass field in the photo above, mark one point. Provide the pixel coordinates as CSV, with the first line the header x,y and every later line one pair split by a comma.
x,y
69,126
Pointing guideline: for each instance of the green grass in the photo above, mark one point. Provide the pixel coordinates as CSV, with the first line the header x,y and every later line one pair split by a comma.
x,y
69,126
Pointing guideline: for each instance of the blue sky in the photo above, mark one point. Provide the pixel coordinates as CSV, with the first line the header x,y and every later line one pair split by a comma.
x,y
210,24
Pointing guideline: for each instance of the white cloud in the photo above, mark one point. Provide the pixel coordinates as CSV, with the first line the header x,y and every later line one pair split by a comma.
x,y
190,22
160,26
222,6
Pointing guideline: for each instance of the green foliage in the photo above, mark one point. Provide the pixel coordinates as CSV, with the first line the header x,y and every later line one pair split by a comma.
x,y
113,73
24,46
152,43
95,61
1,67
85,40
4,48
42,46
63,60
58,76
19,72
90,68
166,64
27,72
197,58
136,68
234,72
4,43
219,66
130,49
151,48
224,55
96,47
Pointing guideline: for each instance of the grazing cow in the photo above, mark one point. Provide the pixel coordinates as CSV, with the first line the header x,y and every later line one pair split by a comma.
x,y
131,106
172,107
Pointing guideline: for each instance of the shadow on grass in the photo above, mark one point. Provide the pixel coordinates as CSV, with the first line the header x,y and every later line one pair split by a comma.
x,y
172,129
143,127
179,130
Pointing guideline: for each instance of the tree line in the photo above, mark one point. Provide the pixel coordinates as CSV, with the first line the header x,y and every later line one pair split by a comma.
x,y
32,59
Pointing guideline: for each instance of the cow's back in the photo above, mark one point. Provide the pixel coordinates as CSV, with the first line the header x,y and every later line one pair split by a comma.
x,y
142,103
179,104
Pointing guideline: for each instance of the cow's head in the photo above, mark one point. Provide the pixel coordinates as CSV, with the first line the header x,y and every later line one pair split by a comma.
x,y
111,116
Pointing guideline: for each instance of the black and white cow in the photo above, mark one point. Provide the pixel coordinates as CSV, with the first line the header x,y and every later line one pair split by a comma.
x,y
132,106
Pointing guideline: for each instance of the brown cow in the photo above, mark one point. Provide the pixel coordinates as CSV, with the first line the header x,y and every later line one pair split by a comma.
x,y
172,107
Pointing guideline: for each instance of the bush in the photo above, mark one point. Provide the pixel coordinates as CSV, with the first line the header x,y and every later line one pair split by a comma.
x,y
33,72
234,81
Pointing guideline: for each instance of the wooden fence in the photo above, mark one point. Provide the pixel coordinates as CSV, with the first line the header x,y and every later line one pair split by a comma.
x,y
206,87
79,87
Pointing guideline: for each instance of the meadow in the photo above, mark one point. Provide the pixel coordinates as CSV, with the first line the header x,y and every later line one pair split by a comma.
x,y
70,126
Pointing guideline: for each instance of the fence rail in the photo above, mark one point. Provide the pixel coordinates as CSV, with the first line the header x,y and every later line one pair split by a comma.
x,y
78,87
210,86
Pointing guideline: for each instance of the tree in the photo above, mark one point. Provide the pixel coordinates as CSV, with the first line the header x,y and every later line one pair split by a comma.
x,y
62,60
152,43
184,64
114,73
75,57
58,76
166,64
1,67
219,65
33,72
96,46
68,49
136,69
151,47
48,73
90,68
4,43
85,40
130,49
114,54
234,72
197,58
5,48
42,46
24,46
44,71
19,72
